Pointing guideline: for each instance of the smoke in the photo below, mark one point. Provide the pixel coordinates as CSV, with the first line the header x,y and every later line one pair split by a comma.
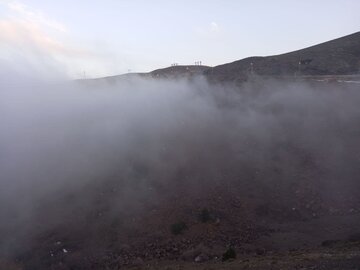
x,y
71,151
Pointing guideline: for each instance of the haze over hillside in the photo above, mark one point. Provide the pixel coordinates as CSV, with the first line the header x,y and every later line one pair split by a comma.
x,y
178,171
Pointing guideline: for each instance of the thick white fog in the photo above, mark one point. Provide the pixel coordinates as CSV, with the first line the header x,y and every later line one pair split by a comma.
x,y
146,138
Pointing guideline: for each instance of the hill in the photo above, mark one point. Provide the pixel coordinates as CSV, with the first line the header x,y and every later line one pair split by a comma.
x,y
181,71
336,57
340,56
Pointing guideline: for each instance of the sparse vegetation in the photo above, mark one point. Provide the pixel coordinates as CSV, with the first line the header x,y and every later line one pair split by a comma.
x,y
229,254
178,228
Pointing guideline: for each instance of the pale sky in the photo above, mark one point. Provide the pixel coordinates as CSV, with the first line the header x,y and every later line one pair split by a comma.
x,y
110,37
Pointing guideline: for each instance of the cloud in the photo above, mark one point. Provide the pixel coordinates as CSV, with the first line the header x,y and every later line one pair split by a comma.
x,y
210,31
29,40
26,44
33,15
214,27
70,153
22,32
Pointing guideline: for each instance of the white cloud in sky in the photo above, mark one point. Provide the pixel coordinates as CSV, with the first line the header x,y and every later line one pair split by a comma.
x,y
214,27
30,35
33,15
29,41
211,30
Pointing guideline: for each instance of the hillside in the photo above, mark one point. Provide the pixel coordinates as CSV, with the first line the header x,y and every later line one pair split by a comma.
x,y
336,57
181,71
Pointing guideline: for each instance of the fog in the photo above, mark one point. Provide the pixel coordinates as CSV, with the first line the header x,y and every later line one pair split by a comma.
x,y
68,148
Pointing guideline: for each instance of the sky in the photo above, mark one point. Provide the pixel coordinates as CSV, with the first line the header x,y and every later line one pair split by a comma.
x,y
90,39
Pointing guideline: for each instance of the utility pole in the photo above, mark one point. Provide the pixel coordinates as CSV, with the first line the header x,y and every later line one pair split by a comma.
x,y
299,69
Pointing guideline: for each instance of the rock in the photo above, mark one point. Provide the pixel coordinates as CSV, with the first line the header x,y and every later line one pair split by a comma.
x,y
189,255
217,221
201,258
192,254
